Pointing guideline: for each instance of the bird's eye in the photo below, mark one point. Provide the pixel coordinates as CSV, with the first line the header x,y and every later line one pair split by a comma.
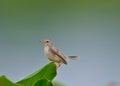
x,y
47,41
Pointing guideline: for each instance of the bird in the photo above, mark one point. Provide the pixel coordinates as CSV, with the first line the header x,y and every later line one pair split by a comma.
x,y
54,54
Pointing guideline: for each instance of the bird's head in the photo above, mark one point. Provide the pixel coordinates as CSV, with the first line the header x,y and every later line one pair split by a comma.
x,y
46,42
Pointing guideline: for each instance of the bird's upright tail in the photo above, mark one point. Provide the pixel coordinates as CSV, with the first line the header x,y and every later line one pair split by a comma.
x,y
73,57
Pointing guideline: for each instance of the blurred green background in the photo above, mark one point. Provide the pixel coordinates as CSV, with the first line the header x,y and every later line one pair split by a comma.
x,y
87,28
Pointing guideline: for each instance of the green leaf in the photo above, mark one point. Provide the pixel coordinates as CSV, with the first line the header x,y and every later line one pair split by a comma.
x,y
47,72
4,81
43,82
56,83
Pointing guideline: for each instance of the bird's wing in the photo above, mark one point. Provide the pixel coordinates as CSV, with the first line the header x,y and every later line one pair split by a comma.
x,y
58,53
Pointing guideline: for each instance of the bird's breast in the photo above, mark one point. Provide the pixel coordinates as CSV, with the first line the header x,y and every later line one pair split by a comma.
x,y
49,54
46,50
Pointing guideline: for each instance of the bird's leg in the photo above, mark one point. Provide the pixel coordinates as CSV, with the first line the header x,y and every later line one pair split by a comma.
x,y
58,64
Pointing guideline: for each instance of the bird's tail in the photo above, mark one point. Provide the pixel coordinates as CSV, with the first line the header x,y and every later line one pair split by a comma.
x,y
73,57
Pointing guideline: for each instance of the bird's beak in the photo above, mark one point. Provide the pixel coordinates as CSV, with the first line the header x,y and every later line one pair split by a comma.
x,y
42,41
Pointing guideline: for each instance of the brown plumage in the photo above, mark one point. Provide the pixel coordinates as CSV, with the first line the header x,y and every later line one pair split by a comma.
x,y
55,54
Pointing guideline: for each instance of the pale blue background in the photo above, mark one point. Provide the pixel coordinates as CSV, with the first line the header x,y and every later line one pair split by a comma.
x,y
89,29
